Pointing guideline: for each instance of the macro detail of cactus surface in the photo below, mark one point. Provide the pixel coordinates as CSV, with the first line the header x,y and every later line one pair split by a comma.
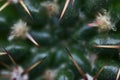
x,y
59,39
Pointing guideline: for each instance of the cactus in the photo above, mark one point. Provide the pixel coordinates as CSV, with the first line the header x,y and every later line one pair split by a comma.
x,y
88,30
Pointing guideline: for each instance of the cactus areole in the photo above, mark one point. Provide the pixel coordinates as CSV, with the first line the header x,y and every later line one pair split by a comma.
x,y
17,74
14,1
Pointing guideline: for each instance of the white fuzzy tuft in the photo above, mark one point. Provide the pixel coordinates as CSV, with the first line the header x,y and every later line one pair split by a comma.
x,y
15,1
16,74
51,7
89,77
50,74
103,22
91,58
19,29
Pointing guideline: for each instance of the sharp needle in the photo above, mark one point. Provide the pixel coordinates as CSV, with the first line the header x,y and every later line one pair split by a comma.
x,y
64,9
24,6
107,46
76,64
33,66
31,39
13,61
4,5
118,74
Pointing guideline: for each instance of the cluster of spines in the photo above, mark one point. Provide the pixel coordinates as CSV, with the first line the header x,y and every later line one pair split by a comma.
x,y
18,72
27,10
20,29
85,76
63,11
